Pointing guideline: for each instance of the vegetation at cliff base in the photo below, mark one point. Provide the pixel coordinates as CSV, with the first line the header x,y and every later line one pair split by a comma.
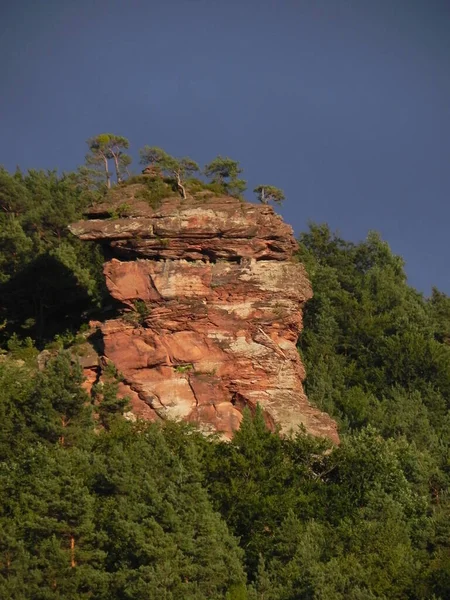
x,y
93,505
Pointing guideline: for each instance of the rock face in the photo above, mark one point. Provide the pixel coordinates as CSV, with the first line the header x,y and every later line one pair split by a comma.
x,y
210,309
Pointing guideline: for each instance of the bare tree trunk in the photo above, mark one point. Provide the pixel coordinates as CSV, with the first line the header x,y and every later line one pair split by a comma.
x,y
73,562
116,164
64,423
181,186
108,176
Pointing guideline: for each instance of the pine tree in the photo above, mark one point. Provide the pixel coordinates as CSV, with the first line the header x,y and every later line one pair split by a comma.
x,y
225,172
179,168
160,534
106,147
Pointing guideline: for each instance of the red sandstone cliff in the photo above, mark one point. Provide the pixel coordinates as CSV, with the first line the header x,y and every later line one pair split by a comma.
x,y
211,311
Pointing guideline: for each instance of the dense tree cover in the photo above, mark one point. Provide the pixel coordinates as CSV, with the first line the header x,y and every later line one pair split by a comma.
x,y
377,351
143,511
48,278
112,514
93,506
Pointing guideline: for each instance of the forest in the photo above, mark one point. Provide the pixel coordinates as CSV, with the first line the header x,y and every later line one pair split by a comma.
x,y
95,506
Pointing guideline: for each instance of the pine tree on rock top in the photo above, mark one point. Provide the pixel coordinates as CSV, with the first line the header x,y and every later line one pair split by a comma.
x,y
104,148
269,193
179,168
224,171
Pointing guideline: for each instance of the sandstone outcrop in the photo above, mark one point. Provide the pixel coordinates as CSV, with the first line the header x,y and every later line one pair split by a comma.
x,y
210,308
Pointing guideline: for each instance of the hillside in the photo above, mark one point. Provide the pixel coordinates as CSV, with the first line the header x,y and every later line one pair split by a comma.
x,y
97,506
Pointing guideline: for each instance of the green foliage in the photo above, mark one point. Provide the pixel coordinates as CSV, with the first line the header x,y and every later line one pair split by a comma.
x,y
127,512
22,349
222,168
121,210
104,148
196,186
15,247
377,355
224,173
141,310
269,193
179,168
439,306
109,404
246,490
184,368
363,314
163,538
48,277
127,517
48,406
155,190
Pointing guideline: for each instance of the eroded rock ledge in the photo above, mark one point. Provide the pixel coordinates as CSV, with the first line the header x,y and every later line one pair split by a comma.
x,y
212,304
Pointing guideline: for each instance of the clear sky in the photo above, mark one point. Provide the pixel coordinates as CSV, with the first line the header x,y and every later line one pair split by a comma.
x,y
345,104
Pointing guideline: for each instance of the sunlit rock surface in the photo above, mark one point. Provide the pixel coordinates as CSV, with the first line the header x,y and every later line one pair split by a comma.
x,y
210,309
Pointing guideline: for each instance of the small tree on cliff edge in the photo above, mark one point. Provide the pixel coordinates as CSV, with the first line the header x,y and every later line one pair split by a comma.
x,y
179,168
224,171
106,147
269,193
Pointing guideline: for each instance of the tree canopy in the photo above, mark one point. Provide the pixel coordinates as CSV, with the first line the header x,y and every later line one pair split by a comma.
x,y
108,147
225,172
179,168
269,193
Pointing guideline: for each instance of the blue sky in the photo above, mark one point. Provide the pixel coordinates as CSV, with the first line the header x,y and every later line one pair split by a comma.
x,y
345,104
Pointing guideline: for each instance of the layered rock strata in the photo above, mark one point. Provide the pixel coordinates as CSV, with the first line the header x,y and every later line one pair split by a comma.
x,y
210,301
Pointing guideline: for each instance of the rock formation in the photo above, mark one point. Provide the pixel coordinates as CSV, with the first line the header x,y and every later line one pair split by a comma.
x,y
210,308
